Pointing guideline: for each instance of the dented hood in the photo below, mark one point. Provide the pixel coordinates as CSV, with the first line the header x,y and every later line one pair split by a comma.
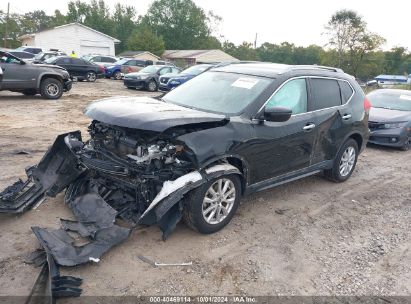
x,y
146,113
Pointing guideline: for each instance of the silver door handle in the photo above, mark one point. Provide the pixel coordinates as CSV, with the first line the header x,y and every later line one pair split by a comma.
x,y
346,116
309,127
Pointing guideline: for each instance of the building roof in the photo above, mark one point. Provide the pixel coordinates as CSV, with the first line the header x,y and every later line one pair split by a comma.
x,y
135,53
199,55
66,25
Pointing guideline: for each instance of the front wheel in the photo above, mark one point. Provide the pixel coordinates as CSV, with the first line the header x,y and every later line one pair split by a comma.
x,y
51,88
344,162
91,76
211,206
117,75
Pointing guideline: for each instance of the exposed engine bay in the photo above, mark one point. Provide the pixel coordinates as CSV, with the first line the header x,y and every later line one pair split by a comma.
x,y
136,175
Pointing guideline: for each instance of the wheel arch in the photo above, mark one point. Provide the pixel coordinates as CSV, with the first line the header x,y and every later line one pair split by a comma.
x,y
48,75
237,161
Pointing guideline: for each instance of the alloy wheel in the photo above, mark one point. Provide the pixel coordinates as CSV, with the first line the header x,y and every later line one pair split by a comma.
x,y
52,89
347,161
218,201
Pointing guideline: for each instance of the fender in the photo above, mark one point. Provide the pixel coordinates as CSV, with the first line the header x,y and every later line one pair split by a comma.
x,y
53,75
242,160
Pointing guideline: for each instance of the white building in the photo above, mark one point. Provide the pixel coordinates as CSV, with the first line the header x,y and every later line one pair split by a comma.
x,y
72,37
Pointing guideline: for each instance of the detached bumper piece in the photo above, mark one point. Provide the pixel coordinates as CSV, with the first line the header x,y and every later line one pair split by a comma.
x,y
50,286
57,169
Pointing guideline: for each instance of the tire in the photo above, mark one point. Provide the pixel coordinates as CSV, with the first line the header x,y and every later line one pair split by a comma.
x,y
195,205
344,163
30,92
152,86
130,88
51,88
91,76
406,145
117,75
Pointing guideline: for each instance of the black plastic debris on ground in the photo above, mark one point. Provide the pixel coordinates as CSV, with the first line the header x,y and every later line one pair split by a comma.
x,y
56,170
50,285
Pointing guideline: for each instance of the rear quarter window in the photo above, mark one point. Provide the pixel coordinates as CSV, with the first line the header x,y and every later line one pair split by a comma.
x,y
325,94
346,91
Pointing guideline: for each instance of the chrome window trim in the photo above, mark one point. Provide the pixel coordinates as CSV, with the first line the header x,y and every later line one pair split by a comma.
x,y
306,77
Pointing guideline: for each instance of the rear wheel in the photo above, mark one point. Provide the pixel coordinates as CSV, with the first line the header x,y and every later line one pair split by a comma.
x,y
30,92
344,163
211,206
51,88
91,76
117,75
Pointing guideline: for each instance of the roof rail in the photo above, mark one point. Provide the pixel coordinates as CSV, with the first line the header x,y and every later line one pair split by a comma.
x,y
319,67
225,63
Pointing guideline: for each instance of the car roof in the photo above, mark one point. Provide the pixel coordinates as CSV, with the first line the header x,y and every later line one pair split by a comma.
x,y
268,69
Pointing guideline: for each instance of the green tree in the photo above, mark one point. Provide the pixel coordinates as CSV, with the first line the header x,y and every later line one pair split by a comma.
x,y
244,51
144,39
181,23
349,35
33,22
124,24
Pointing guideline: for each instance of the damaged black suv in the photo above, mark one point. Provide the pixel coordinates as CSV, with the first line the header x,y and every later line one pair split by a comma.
x,y
234,130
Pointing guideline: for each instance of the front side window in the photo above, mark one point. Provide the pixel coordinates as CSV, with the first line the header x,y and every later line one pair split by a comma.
x,y
325,92
293,96
219,92
165,71
62,61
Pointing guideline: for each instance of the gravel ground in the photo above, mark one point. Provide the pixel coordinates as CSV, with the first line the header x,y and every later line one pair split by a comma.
x,y
311,237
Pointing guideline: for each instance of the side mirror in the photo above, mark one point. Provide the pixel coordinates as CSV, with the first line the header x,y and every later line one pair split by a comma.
x,y
277,114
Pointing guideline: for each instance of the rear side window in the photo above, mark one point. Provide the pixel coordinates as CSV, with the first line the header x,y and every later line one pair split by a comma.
x,y
140,63
77,61
346,91
325,94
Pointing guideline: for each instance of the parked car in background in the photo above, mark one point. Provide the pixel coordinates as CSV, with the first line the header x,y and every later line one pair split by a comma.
x,y
30,49
31,79
22,54
101,60
79,68
168,82
125,66
390,118
148,78
41,57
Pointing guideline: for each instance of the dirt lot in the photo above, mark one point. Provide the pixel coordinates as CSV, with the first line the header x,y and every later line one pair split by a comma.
x,y
310,237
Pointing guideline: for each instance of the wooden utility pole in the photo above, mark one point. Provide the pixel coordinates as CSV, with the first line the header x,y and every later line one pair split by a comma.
x,y
6,33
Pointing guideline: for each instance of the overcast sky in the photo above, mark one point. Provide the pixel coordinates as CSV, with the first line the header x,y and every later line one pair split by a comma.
x,y
298,21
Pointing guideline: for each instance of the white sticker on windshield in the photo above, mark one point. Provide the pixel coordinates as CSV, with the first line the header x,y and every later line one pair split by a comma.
x,y
406,97
246,83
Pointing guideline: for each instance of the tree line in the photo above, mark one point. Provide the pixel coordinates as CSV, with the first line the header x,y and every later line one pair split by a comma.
x,y
181,24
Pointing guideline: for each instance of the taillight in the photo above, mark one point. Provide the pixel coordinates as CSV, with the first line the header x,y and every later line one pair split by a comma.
x,y
129,70
367,104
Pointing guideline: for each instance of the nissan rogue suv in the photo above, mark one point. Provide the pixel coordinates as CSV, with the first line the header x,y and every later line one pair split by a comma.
x,y
231,131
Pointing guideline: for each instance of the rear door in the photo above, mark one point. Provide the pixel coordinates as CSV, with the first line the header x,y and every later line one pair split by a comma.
x,y
284,147
65,63
79,67
332,115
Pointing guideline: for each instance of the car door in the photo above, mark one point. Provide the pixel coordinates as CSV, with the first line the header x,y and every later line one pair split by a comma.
x,y
284,147
80,67
329,103
65,63
15,75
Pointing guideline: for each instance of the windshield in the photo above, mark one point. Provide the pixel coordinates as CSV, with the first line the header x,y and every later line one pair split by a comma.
x,y
122,61
151,69
195,70
219,92
400,102
50,60
38,56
